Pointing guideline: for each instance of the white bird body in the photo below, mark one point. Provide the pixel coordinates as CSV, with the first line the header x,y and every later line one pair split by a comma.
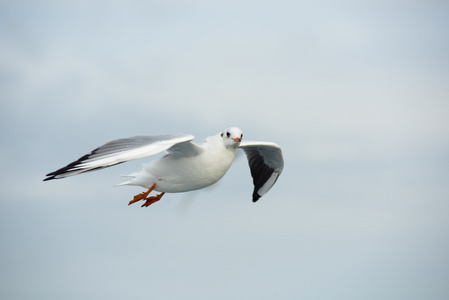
x,y
186,166
192,172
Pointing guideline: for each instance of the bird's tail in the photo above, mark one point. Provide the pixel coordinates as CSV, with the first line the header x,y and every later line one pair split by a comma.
x,y
142,178
127,182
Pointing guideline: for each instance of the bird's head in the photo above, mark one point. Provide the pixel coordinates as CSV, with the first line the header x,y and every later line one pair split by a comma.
x,y
232,137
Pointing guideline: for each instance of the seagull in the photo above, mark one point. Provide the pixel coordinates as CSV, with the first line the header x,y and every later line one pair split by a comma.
x,y
186,166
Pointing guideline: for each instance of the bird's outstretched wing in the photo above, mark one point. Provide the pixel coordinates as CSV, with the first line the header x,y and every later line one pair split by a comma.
x,y
126,149
266,164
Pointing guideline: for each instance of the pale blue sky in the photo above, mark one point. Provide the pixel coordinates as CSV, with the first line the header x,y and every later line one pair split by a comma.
x,y
355,92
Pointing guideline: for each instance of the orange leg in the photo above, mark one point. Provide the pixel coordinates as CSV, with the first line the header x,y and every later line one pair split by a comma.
x,y
151,200
143,195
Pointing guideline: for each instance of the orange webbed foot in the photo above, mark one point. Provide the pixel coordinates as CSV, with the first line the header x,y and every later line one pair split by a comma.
x,y
142,195
151,200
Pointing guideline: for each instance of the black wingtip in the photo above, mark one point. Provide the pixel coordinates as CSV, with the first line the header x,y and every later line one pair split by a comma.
x,y
256,196
66,169
50,176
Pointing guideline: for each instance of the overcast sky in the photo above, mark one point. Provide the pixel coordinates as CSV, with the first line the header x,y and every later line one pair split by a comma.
x,y
355,92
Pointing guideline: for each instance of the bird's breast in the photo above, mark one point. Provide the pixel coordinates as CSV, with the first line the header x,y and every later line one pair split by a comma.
x,y
182,174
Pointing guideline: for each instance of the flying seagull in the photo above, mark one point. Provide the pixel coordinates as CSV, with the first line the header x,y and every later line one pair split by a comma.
x,y
186,166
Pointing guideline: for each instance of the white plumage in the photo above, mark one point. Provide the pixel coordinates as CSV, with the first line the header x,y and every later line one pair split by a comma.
x,y
186,166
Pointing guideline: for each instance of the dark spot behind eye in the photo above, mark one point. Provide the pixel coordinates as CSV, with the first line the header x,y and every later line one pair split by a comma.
x,y
222,134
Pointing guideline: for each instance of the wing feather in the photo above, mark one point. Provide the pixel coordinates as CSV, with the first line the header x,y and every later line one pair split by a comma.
x,y
266,164
122,150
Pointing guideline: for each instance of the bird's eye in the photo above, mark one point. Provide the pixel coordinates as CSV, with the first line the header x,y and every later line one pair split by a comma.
x,y
228,134
241,136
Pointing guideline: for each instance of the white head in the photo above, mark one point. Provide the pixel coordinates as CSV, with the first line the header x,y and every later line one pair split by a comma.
x,y
232,137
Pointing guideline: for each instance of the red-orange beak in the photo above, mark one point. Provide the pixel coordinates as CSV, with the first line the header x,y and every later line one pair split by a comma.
x,y
237,140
